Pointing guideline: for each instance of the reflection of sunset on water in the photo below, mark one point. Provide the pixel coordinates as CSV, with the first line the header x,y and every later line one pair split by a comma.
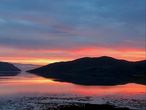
x,y
35,84
119,89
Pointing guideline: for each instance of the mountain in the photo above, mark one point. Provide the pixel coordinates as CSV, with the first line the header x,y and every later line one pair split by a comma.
x,y
25,67
95,71
8,69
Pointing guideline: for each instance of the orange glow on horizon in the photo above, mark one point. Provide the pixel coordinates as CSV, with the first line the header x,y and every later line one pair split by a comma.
x,y
129,54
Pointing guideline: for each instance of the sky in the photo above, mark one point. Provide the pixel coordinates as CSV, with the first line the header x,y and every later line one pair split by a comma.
x,y
46,31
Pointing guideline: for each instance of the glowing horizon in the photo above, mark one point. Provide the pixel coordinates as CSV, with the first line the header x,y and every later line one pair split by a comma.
x,y
42,32
125,54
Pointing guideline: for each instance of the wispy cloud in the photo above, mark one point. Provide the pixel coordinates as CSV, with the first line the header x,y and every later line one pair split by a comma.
x,y
72,24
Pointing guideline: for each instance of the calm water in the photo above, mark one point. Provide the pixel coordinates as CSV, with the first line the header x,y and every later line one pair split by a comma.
x,y
26,84
29,84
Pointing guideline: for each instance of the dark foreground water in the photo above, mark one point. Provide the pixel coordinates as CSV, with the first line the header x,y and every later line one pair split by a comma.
x,y
27,90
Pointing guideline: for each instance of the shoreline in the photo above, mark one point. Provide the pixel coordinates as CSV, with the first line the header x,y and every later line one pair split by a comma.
x,y
91,107
68,103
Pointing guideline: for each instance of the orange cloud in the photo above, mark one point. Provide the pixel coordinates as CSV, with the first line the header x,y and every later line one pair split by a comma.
x,y
41,57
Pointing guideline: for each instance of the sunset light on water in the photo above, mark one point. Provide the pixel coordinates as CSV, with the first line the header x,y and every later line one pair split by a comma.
x,y
36,84
72,55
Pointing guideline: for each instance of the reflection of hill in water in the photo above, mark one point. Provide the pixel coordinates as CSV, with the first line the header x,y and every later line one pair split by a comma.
x,y
95,71
9,73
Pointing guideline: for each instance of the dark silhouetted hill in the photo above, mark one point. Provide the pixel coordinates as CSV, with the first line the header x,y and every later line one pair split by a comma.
x,y
8,69
95,71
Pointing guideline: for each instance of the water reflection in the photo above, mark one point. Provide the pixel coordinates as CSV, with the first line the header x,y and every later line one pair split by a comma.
x,y
7,73
31,84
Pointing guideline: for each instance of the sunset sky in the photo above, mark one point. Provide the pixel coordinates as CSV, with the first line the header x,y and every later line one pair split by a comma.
x,y
46,31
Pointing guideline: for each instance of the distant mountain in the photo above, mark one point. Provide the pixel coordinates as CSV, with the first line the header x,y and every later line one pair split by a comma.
x,y
25,67
95,71
8,69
